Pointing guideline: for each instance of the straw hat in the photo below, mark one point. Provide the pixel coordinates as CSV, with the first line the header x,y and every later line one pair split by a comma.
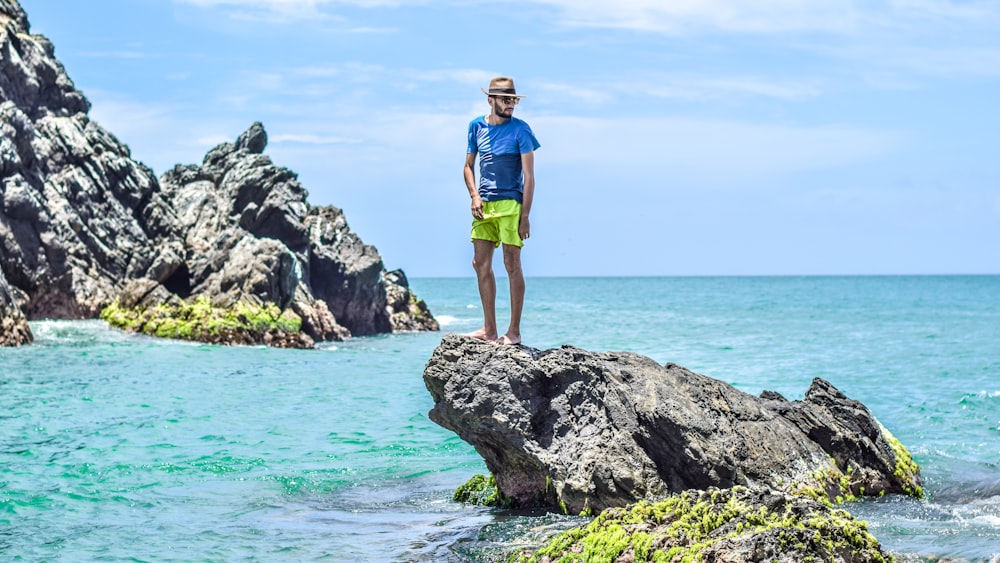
x,y
502,86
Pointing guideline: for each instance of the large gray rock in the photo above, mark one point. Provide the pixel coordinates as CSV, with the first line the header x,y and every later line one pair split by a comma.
x,y
587,431
81,221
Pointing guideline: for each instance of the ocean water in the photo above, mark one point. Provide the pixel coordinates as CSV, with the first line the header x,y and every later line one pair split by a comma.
x,y
120,447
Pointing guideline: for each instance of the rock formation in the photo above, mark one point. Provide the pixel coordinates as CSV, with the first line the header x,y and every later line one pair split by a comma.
x,y
78,216
81,221
586,431
246,231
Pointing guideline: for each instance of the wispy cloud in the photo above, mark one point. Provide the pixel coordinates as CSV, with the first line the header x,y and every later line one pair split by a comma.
x,y
114,54
311,139
713,87
292,11
686,17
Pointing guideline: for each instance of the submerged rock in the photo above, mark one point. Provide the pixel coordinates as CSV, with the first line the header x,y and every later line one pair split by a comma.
x,y
586,431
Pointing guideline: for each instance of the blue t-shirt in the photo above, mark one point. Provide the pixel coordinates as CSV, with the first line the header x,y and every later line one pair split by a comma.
x,y
500,148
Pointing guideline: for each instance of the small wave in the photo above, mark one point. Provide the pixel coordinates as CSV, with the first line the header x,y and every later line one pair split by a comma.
x,y
446,320
970,398
74,333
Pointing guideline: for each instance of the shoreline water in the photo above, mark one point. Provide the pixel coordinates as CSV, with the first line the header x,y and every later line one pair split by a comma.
x,y
116,446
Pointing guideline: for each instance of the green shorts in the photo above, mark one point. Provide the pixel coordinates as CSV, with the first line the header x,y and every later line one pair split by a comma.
x,y
499,223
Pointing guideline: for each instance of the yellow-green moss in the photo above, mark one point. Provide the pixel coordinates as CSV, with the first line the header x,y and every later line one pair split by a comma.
x,y
831,486
906,469
680,528
483,491
199,320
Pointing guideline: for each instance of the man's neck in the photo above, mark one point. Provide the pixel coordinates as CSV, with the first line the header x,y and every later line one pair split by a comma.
x,y
494,119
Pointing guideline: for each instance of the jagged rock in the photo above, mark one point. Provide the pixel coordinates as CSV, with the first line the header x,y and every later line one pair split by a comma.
x,y
14,329
587,431
407,312
80,220
78,216
252,234
33,79
346,273
145,294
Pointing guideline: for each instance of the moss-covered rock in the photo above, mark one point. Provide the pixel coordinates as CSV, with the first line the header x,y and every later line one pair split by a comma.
x,y
907,470
483,491
725,525
199,320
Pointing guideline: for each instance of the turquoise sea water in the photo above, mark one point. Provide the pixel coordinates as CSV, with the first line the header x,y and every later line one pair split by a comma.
x,y
118,447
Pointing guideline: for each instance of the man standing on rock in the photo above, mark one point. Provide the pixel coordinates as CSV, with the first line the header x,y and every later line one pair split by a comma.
x,y
501,202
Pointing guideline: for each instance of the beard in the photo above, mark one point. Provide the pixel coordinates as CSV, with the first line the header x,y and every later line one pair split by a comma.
x,y
503,110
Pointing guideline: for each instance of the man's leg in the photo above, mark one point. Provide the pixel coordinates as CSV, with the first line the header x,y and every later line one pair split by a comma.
x,y
512,261
482,262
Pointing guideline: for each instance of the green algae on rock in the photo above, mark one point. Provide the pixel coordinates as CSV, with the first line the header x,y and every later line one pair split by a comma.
x,y
907,470
199,320
737,524
482,491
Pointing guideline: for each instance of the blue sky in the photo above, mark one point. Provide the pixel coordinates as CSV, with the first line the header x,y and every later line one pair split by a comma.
x,y
691,137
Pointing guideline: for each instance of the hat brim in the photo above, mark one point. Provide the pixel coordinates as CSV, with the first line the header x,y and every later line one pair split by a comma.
x,y
512,95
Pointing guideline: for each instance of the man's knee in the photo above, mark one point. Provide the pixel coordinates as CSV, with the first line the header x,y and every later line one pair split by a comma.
x,y
512,261
482,264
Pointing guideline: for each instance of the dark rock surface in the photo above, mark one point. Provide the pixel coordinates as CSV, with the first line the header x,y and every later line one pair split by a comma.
x,y
80,220
585,431
77,215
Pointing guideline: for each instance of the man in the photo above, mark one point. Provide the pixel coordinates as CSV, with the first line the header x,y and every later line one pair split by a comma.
x,y
501,202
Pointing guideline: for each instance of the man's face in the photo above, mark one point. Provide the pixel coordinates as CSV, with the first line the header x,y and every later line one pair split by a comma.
x,y
503,106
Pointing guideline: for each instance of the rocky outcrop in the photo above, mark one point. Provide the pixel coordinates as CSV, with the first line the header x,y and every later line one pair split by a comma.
x,y
81,222
586,431
78,216
247,232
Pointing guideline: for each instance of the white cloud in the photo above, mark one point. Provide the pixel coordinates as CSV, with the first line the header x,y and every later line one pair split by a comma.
x,y
213,140
292,11
686,17
695,87
286,9
114,54
312,139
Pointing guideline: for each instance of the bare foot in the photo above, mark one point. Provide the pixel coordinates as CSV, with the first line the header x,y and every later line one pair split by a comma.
x,y
509,340
482,334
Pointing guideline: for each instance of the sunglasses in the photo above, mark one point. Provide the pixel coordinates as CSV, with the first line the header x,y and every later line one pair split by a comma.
x,y
506,99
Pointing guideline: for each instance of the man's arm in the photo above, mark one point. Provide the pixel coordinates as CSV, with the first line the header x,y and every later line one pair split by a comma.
x,y
470,184
528,170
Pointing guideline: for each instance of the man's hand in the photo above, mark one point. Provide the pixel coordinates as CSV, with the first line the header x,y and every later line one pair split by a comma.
x,y
524,228
477,207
